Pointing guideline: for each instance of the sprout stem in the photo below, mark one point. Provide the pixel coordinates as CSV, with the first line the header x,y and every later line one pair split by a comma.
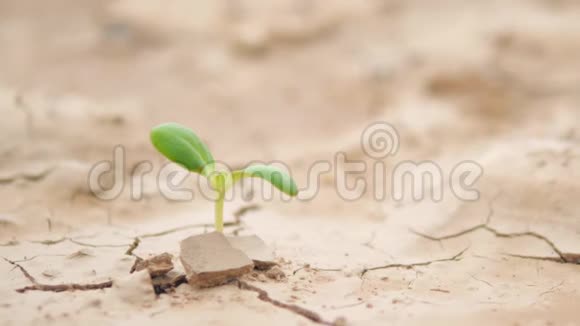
x,y
219,205
219,213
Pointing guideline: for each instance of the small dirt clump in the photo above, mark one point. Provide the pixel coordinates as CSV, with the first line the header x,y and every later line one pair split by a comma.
x,y
210,260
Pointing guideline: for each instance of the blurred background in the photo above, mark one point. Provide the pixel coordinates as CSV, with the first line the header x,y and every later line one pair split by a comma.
x,y
289,80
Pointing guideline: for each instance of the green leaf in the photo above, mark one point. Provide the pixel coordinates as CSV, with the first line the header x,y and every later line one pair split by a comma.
x,y
180,145
276,177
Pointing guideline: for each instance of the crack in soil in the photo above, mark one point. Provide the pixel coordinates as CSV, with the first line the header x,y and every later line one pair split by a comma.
x,y
31,177
10,243
552,289
25,259
480,280
21,105
370,244
455,257
570,258
57,287
84,244
348,305
238,214
184,227
50,242
264,296
316,269
77,242
567,258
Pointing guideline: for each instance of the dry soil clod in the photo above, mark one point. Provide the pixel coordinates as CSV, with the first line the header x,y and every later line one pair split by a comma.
x,y
156,266
160,272
167,282
276,273
256,249
210,260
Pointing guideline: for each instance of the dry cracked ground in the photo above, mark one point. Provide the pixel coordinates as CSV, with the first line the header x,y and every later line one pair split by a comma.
x,y
492,82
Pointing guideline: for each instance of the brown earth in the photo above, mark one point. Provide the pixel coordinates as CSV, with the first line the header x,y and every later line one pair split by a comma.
x,y
493,82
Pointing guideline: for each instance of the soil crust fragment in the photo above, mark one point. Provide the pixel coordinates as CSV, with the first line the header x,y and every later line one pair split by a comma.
x,y
256,249
156,266
210,260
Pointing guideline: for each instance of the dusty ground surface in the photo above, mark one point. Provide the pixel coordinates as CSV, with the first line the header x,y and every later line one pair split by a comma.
x,y
296,81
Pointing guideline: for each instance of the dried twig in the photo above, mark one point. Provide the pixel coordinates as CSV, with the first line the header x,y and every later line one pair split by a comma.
x,y
65,287
455,257
133,246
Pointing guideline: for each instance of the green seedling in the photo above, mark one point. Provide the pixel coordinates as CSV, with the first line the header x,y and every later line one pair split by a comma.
x,y
182,146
